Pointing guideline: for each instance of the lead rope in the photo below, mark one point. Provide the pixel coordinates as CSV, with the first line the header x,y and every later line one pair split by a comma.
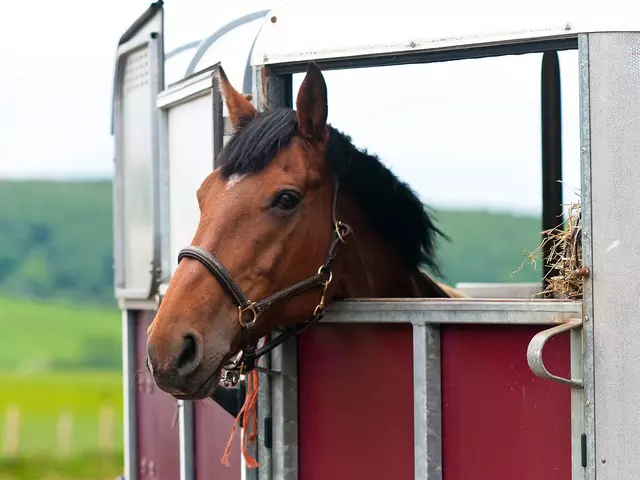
x,y
250,414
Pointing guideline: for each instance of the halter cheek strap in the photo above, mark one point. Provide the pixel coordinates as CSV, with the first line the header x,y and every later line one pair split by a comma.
x,y
249,312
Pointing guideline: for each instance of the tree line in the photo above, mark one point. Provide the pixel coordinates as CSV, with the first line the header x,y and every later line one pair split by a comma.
x,y
56,241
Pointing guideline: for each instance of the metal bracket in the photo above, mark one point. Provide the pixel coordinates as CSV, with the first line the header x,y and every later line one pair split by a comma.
x,y
536,347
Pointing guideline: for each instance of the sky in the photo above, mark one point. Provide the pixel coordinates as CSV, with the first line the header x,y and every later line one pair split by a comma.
x,y
462,133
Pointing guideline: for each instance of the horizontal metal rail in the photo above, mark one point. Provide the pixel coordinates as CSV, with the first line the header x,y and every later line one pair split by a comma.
x,y
467,311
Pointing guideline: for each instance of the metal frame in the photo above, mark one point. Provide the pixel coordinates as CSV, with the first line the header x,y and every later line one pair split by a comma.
x,y
277,448
129,396
273,87
462,52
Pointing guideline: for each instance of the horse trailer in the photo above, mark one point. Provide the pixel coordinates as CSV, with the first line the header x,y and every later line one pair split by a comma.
x,y
502,385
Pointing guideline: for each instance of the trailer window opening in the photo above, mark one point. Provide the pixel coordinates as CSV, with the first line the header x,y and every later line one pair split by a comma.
x,y
466,135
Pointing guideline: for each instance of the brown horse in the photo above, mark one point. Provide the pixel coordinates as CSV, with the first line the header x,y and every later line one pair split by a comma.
x,y
272,228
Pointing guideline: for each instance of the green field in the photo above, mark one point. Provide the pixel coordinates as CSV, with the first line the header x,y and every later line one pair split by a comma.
x,y
60,359
40,335
41,398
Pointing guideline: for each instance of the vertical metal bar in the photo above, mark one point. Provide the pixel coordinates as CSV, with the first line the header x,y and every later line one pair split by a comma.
x,y
427,406
252,449
265,416
185,422
164,205
551,150
285,411
577,407
129,393
156,74
587,256
218,117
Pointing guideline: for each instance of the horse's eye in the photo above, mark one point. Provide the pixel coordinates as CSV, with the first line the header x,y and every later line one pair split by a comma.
x,y
287,200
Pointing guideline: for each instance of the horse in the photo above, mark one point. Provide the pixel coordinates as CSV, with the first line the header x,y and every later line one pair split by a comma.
x,y
293,217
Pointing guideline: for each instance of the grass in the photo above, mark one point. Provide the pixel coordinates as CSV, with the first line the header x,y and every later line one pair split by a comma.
x,y
60,358
41,398
40,335
80,467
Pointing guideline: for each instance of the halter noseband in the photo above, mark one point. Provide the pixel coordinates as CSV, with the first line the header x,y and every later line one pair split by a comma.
x,y
249,311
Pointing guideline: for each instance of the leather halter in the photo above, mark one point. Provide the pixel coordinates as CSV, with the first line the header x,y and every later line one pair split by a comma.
x,y
249,311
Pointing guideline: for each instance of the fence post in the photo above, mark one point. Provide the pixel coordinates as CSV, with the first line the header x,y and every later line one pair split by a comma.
x,y
11,440
106,429
65,432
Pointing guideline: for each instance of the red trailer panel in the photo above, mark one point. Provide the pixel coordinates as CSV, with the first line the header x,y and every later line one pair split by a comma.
x,y
500,421
157,423
212,427
355,402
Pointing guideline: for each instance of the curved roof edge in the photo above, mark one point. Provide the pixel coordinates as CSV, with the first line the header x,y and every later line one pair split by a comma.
x,y
303,32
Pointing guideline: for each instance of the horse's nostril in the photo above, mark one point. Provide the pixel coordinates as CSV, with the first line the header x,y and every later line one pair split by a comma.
x,y
189,357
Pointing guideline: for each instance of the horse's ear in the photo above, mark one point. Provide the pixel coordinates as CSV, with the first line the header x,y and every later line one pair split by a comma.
x,y
311,105
241,111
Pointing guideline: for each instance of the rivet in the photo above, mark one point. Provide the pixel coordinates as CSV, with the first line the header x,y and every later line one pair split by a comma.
x,y
274,19
583,149
603,460
587,403
567,26
412,44
586,318
581,64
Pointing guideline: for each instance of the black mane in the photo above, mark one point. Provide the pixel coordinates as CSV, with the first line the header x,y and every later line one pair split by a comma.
x,y
391,206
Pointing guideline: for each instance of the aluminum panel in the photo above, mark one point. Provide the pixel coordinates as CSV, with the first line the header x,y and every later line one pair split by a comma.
x,y
411,26
190,158
138,78
614,80
138,114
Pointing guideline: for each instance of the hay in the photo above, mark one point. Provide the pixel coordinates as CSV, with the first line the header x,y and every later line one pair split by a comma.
x,y
564,259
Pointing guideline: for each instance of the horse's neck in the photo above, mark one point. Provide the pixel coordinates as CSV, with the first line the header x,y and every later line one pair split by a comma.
x,y
370,268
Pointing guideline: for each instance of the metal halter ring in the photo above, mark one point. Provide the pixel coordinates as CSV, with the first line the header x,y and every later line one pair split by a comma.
x,y
250,308
323,271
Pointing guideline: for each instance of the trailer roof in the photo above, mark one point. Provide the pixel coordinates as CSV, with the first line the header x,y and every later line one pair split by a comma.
x,y
337,29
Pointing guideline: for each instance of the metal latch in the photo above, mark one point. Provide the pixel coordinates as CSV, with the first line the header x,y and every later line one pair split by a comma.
x,y
536,347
